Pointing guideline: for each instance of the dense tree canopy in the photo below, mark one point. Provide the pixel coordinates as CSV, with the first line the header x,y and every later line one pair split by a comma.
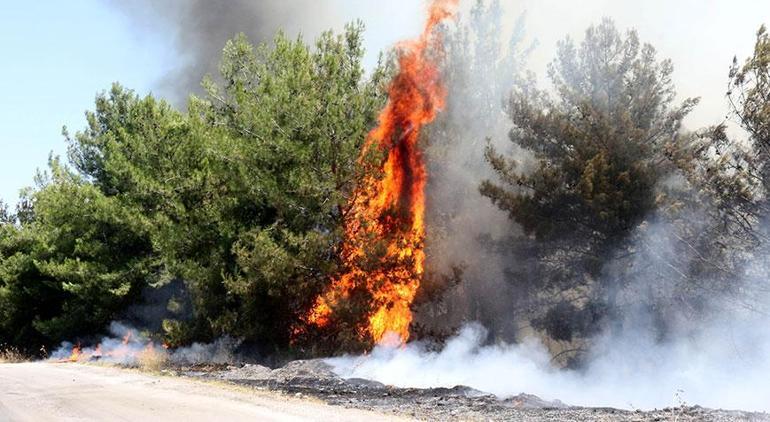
x,y
242,197
599,147
74,267
600,152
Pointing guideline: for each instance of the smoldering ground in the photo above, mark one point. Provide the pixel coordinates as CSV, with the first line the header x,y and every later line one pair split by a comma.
x,y
724,367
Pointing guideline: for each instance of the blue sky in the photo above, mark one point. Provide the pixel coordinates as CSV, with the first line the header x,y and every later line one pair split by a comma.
x,y
56,55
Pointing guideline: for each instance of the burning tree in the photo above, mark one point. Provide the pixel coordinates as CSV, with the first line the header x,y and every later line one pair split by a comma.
x,y
386,213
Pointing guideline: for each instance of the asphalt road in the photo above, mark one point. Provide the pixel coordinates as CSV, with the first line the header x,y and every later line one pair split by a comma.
x,y
72,392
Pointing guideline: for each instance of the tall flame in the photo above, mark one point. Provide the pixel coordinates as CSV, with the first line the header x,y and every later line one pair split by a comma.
x,y
390,209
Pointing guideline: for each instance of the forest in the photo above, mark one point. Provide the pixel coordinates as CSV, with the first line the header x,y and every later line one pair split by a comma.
x,y
227,217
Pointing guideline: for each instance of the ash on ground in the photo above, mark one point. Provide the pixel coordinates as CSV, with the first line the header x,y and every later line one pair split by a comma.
x,y
315,378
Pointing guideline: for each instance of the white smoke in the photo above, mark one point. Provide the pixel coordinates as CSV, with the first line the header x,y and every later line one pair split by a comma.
x,y
724,367
717,359
128,346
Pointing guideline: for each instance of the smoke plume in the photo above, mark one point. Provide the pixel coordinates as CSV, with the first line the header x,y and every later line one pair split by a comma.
x,y
200,29
484,63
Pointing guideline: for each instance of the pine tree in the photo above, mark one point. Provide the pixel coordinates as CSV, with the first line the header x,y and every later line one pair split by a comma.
x,y
600,151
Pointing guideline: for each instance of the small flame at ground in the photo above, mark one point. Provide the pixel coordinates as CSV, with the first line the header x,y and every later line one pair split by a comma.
x,y
391,209
130,349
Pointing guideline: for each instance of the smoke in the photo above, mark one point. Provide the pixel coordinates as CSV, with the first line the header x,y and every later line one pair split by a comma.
x,y
720,361
675,28
200,28
484,62
130,347
724,367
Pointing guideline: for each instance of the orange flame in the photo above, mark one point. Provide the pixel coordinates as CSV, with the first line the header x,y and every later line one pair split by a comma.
x,y
391,209
127,350
76,354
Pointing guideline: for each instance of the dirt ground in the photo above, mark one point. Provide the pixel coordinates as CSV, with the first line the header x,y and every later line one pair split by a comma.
x,y
70,392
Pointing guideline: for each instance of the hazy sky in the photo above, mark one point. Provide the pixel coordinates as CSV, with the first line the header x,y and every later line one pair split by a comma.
x,y
58,54
700,36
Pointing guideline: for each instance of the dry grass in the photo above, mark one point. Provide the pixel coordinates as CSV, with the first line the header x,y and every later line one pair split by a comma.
x,y
11,355
152,359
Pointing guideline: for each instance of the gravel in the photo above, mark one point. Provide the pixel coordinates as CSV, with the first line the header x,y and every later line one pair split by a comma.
x,y
315,378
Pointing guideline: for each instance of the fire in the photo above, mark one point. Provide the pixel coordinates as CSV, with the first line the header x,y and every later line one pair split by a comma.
x,y
76,354
391,209
131,348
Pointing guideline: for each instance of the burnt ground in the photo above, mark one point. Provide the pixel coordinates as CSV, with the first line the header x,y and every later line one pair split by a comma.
x,y
314,378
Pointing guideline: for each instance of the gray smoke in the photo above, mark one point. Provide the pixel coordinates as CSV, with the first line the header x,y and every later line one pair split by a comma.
x,y
484,62
200,28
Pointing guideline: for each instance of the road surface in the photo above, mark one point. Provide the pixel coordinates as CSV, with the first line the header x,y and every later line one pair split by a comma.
x,y
72,392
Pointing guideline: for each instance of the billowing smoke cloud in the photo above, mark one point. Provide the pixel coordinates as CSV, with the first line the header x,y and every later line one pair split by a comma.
x,y
719,361
200,29
724,367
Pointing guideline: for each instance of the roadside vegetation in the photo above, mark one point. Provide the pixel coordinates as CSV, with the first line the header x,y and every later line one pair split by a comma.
x,y
10,354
